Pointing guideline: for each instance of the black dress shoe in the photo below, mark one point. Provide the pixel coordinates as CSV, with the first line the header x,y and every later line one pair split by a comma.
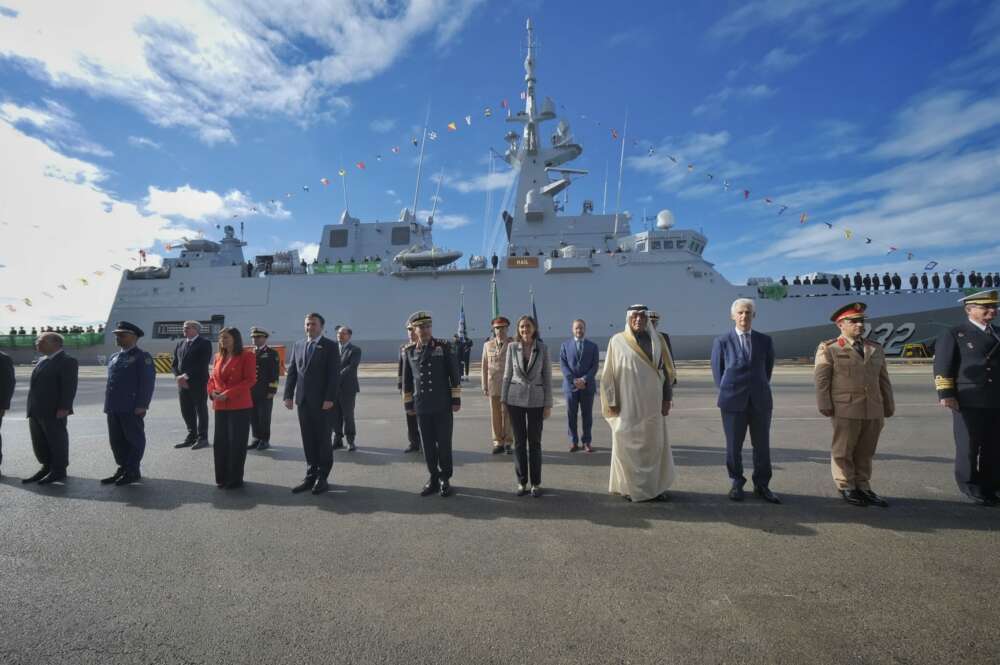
x,y
351,447
41,473
338,444
53,477
253,445
766,494
184,444
263,445
736,494
411,449
128,479
235,485
536,492
113,477
445,488
203,443
497,449
874,498
429,488
305,486
662,496
321,486
521,490
978,500
509,449
854,497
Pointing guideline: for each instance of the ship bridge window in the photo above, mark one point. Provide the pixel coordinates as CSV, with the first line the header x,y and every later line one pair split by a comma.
x,y
668,244
401,235
641,246
657,244
338,238
681,243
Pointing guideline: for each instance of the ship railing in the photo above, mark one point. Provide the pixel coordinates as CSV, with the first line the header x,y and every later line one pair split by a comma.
x,y
72,340
341,268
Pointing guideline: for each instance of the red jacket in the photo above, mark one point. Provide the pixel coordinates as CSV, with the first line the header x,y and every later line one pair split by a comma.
x,y
233,378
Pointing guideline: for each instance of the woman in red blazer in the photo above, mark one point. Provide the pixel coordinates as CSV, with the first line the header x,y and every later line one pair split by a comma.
x,y
233,374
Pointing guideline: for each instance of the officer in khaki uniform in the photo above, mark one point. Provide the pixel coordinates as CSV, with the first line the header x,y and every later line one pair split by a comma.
x,y
494,361
853,388
967,379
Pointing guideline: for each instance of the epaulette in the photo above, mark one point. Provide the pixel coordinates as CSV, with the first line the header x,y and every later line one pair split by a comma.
x,y
944,383
829,342
408,346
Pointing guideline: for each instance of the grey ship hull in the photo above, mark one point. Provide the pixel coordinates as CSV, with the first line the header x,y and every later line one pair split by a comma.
x,y
694,310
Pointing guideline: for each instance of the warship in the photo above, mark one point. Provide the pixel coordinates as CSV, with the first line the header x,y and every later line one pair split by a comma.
x,y
372,275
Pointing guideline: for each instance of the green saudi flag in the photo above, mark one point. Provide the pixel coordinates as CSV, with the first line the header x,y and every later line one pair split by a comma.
x,y
494,299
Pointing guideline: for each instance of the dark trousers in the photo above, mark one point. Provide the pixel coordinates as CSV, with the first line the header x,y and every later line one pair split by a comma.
x,y
435,435
1,437
736,424
315,426
229,446
343,416
412,431
584,402
127,433
526,424
260,419
194,410
466,362
50,441
977,451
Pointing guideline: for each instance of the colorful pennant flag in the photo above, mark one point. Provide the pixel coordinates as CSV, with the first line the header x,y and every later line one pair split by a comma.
x,y
452,126
11,308
746,194
931,265
83,281
767,201
672,158
468,120
803,217
26,301
414,141
783,209
848,233
710,176
305,188
891,250
395,149
828,225
868,241
503,103
378,158
614,134
487,112
342,172
324,181
690,168
651,152
63,287
361,165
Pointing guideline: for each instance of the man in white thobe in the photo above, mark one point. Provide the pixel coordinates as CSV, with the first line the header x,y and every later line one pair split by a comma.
x,y
636,395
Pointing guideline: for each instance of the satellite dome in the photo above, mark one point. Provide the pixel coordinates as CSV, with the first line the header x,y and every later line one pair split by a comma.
x,y
664,219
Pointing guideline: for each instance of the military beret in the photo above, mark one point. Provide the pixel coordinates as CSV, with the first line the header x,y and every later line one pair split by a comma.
x,y
500,321
420,318
981,298
126,327
259,332
849,311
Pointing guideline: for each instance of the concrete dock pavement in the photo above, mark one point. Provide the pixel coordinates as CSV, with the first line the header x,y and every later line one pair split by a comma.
x,y
177,571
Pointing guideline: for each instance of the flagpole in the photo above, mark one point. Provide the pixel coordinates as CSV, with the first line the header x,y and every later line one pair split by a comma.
x,y
420,161
621,167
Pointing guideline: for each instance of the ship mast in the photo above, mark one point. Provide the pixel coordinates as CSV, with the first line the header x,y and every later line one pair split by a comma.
x,y
420,162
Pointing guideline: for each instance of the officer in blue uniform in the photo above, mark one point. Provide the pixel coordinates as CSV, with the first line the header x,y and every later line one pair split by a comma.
x,y
967,380
131,379
432,390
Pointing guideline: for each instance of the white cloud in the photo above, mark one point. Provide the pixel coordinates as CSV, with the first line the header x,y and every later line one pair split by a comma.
x,y
61,226
705,151
807,20
717,100
143,142
938,120
308,251
780,60
56,124
205,206
382,125
481,183
199,64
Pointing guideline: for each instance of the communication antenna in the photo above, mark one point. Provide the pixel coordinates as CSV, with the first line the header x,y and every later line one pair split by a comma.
x,y
621,167
420,160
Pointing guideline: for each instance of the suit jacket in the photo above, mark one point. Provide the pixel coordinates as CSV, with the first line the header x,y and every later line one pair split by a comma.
x,y
582,366
53,386
853,387
193,361
314,381
743,384
234,379
350,358
967,367
7,381
527,384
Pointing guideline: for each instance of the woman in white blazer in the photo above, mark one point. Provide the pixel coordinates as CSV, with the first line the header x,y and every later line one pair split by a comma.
x,y
527,395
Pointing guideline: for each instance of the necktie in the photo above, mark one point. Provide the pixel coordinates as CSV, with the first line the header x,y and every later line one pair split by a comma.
x,y
744,347
310,347
579,348
859,346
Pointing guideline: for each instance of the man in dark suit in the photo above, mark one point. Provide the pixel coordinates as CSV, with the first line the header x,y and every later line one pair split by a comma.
x,y
50,403
191,359
312,377
347,392
742,361
578,359
7,382
264,390
967,379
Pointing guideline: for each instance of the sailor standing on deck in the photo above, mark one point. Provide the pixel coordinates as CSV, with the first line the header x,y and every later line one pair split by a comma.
x,y
853,390
264,390
432,390
131,380
412,430
967,379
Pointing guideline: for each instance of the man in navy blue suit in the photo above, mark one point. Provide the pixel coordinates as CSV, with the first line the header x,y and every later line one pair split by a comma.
x,y
578,359
742,361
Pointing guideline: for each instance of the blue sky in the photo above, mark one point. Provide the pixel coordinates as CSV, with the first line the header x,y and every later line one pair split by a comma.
x,y
135,125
